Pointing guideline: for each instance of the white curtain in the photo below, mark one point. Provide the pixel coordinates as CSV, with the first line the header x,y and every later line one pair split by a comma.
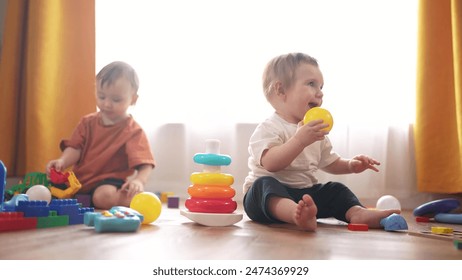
x,y
200,65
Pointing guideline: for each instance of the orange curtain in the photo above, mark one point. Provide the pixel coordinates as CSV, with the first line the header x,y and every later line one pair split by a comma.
x,y
47,72
438,127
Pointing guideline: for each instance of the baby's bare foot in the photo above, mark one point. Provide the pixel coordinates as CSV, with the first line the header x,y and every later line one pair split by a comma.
x,y
305,214
371,217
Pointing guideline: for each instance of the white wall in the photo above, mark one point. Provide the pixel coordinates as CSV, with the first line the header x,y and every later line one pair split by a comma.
x,y
174,146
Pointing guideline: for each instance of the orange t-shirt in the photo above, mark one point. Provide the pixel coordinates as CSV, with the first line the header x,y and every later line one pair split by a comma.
x,y
107,151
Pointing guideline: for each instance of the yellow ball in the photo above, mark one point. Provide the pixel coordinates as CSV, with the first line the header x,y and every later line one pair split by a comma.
x,y
148,205
318,113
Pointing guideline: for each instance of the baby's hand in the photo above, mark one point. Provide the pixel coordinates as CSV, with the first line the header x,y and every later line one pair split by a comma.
x,y
133,187
57,164
311,132
361,162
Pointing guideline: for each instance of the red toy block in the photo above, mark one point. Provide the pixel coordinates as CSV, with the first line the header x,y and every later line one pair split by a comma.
x,y
358,227
421,219
16,221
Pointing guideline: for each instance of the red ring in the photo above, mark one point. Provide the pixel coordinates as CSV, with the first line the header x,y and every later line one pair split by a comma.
x,y
211,205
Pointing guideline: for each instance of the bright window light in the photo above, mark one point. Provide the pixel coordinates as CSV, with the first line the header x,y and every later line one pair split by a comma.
x,y
201,61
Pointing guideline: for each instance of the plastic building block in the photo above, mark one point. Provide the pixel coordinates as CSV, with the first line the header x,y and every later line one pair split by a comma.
x,y
437,206
71,208
57,177
70,191
35,178
164,196
31,179
53,220
420,219
358,227
458,244
2,184
442,230
10,206
10,221
173,202
112,221
33,208
394,222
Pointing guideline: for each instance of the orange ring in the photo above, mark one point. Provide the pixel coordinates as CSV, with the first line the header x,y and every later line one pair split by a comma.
x,y
207,178
211,205
210,191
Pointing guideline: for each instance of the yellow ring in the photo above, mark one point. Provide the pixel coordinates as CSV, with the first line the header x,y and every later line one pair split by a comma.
x,y
206,178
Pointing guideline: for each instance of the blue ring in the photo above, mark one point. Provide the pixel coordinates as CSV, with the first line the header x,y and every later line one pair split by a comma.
x,y
212,159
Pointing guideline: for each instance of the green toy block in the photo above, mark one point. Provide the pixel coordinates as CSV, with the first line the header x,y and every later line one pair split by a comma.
x,y
53,220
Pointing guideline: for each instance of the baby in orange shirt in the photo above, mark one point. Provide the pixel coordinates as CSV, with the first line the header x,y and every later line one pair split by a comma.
x,y
109,145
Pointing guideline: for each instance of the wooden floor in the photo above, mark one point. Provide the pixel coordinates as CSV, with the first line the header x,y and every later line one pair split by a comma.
x,y
174,237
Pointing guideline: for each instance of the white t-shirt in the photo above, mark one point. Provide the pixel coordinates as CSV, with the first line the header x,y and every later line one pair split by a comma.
x,y
300,173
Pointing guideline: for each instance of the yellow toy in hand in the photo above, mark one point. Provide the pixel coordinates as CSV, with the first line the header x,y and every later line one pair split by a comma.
x,y
318,113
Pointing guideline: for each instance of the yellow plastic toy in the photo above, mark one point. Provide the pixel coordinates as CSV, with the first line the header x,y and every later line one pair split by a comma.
x,y
73,187
442,230
318,113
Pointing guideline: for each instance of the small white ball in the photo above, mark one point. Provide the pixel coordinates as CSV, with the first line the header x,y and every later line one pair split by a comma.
x,y
388,202
39,192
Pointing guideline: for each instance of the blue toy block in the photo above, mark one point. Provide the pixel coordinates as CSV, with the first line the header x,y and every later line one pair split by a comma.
x,y
71,208
33,208
68,207
10,205
2,184
394,222
75,220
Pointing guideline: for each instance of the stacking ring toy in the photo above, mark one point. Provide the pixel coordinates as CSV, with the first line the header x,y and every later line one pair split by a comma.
x,y
211,205
205,191
318,113
205,178
212,159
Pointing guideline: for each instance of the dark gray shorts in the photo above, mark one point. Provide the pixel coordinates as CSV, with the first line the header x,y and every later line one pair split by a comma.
x,y
332,199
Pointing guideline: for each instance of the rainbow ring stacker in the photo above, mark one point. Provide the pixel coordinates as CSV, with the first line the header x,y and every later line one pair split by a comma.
x,y
211,194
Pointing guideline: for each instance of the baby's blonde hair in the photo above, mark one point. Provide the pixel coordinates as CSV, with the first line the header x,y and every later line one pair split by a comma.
x,y
115,70
282,68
